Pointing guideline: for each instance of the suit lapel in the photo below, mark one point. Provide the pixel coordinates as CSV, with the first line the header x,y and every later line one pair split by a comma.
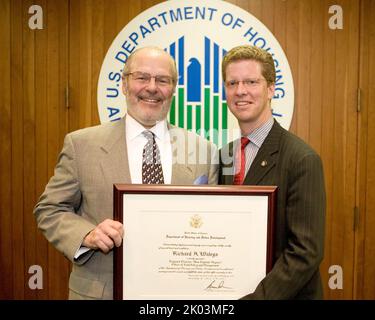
x,y
181,172
114,163
226,164
266,157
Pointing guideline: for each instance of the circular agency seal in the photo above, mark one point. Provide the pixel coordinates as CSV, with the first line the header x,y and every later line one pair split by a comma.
x,y
197,34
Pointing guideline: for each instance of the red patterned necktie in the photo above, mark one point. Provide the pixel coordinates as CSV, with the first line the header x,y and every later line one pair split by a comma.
x,y
152,171
240,162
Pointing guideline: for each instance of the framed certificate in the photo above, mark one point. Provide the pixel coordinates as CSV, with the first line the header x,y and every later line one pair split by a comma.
x,y
192,242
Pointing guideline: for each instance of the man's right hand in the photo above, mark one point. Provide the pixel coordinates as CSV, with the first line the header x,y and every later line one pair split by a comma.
x,y
105,236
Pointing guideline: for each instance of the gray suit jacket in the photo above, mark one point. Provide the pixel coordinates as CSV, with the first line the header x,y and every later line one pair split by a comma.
x,y
297,171
80,195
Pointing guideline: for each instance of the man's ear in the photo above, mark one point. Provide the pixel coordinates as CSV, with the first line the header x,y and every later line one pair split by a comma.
x,y
123,87
271,91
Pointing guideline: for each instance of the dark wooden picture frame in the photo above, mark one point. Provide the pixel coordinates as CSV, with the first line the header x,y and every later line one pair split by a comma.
x,y
119,190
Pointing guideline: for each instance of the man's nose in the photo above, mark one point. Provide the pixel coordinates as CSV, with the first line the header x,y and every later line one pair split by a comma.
x,y
241,89
152,84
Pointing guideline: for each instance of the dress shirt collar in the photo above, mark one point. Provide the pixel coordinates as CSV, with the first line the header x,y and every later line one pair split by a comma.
x,y
134,128
258,136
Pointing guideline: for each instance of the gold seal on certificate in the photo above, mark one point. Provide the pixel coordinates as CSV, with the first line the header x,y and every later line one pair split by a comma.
x,y
192,242
196,221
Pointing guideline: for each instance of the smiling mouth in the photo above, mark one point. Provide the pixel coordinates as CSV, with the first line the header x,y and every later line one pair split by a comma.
x,y
149,100
243,103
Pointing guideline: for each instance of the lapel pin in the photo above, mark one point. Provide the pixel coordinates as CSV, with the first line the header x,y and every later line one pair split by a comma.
x,y
264,163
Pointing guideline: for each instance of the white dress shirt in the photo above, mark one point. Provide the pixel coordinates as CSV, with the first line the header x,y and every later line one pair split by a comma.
x,y
135,142
256,138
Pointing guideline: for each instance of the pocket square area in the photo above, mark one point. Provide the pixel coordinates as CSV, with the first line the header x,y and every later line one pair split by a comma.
x,y
201,180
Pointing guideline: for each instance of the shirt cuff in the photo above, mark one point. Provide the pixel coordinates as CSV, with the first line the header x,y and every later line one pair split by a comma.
x,y
81,250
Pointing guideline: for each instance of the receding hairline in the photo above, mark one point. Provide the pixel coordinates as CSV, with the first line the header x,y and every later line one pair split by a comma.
x,y
151,49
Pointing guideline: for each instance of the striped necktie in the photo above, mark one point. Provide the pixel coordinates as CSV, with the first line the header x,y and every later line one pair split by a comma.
x,y
152,171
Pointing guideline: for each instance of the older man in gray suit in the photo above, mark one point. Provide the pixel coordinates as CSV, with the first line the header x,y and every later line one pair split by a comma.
x,y
267,154
75,212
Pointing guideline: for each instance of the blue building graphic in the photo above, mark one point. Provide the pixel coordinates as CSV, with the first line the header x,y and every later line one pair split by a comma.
x,y
199,104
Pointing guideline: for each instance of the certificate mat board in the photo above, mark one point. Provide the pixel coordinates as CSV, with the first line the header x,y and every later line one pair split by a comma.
x,y
191,243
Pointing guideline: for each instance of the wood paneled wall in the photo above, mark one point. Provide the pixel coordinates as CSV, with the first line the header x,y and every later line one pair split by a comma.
x,y
37,66
34,121
364,275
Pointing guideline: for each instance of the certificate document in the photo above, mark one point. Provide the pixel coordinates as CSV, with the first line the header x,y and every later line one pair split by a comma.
x,y
193,246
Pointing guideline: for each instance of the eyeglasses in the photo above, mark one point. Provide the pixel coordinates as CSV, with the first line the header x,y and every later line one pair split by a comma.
x,y
145,78
247,83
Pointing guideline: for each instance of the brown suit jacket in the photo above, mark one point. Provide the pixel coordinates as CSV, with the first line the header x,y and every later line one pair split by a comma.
x,y
80,195
297,171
